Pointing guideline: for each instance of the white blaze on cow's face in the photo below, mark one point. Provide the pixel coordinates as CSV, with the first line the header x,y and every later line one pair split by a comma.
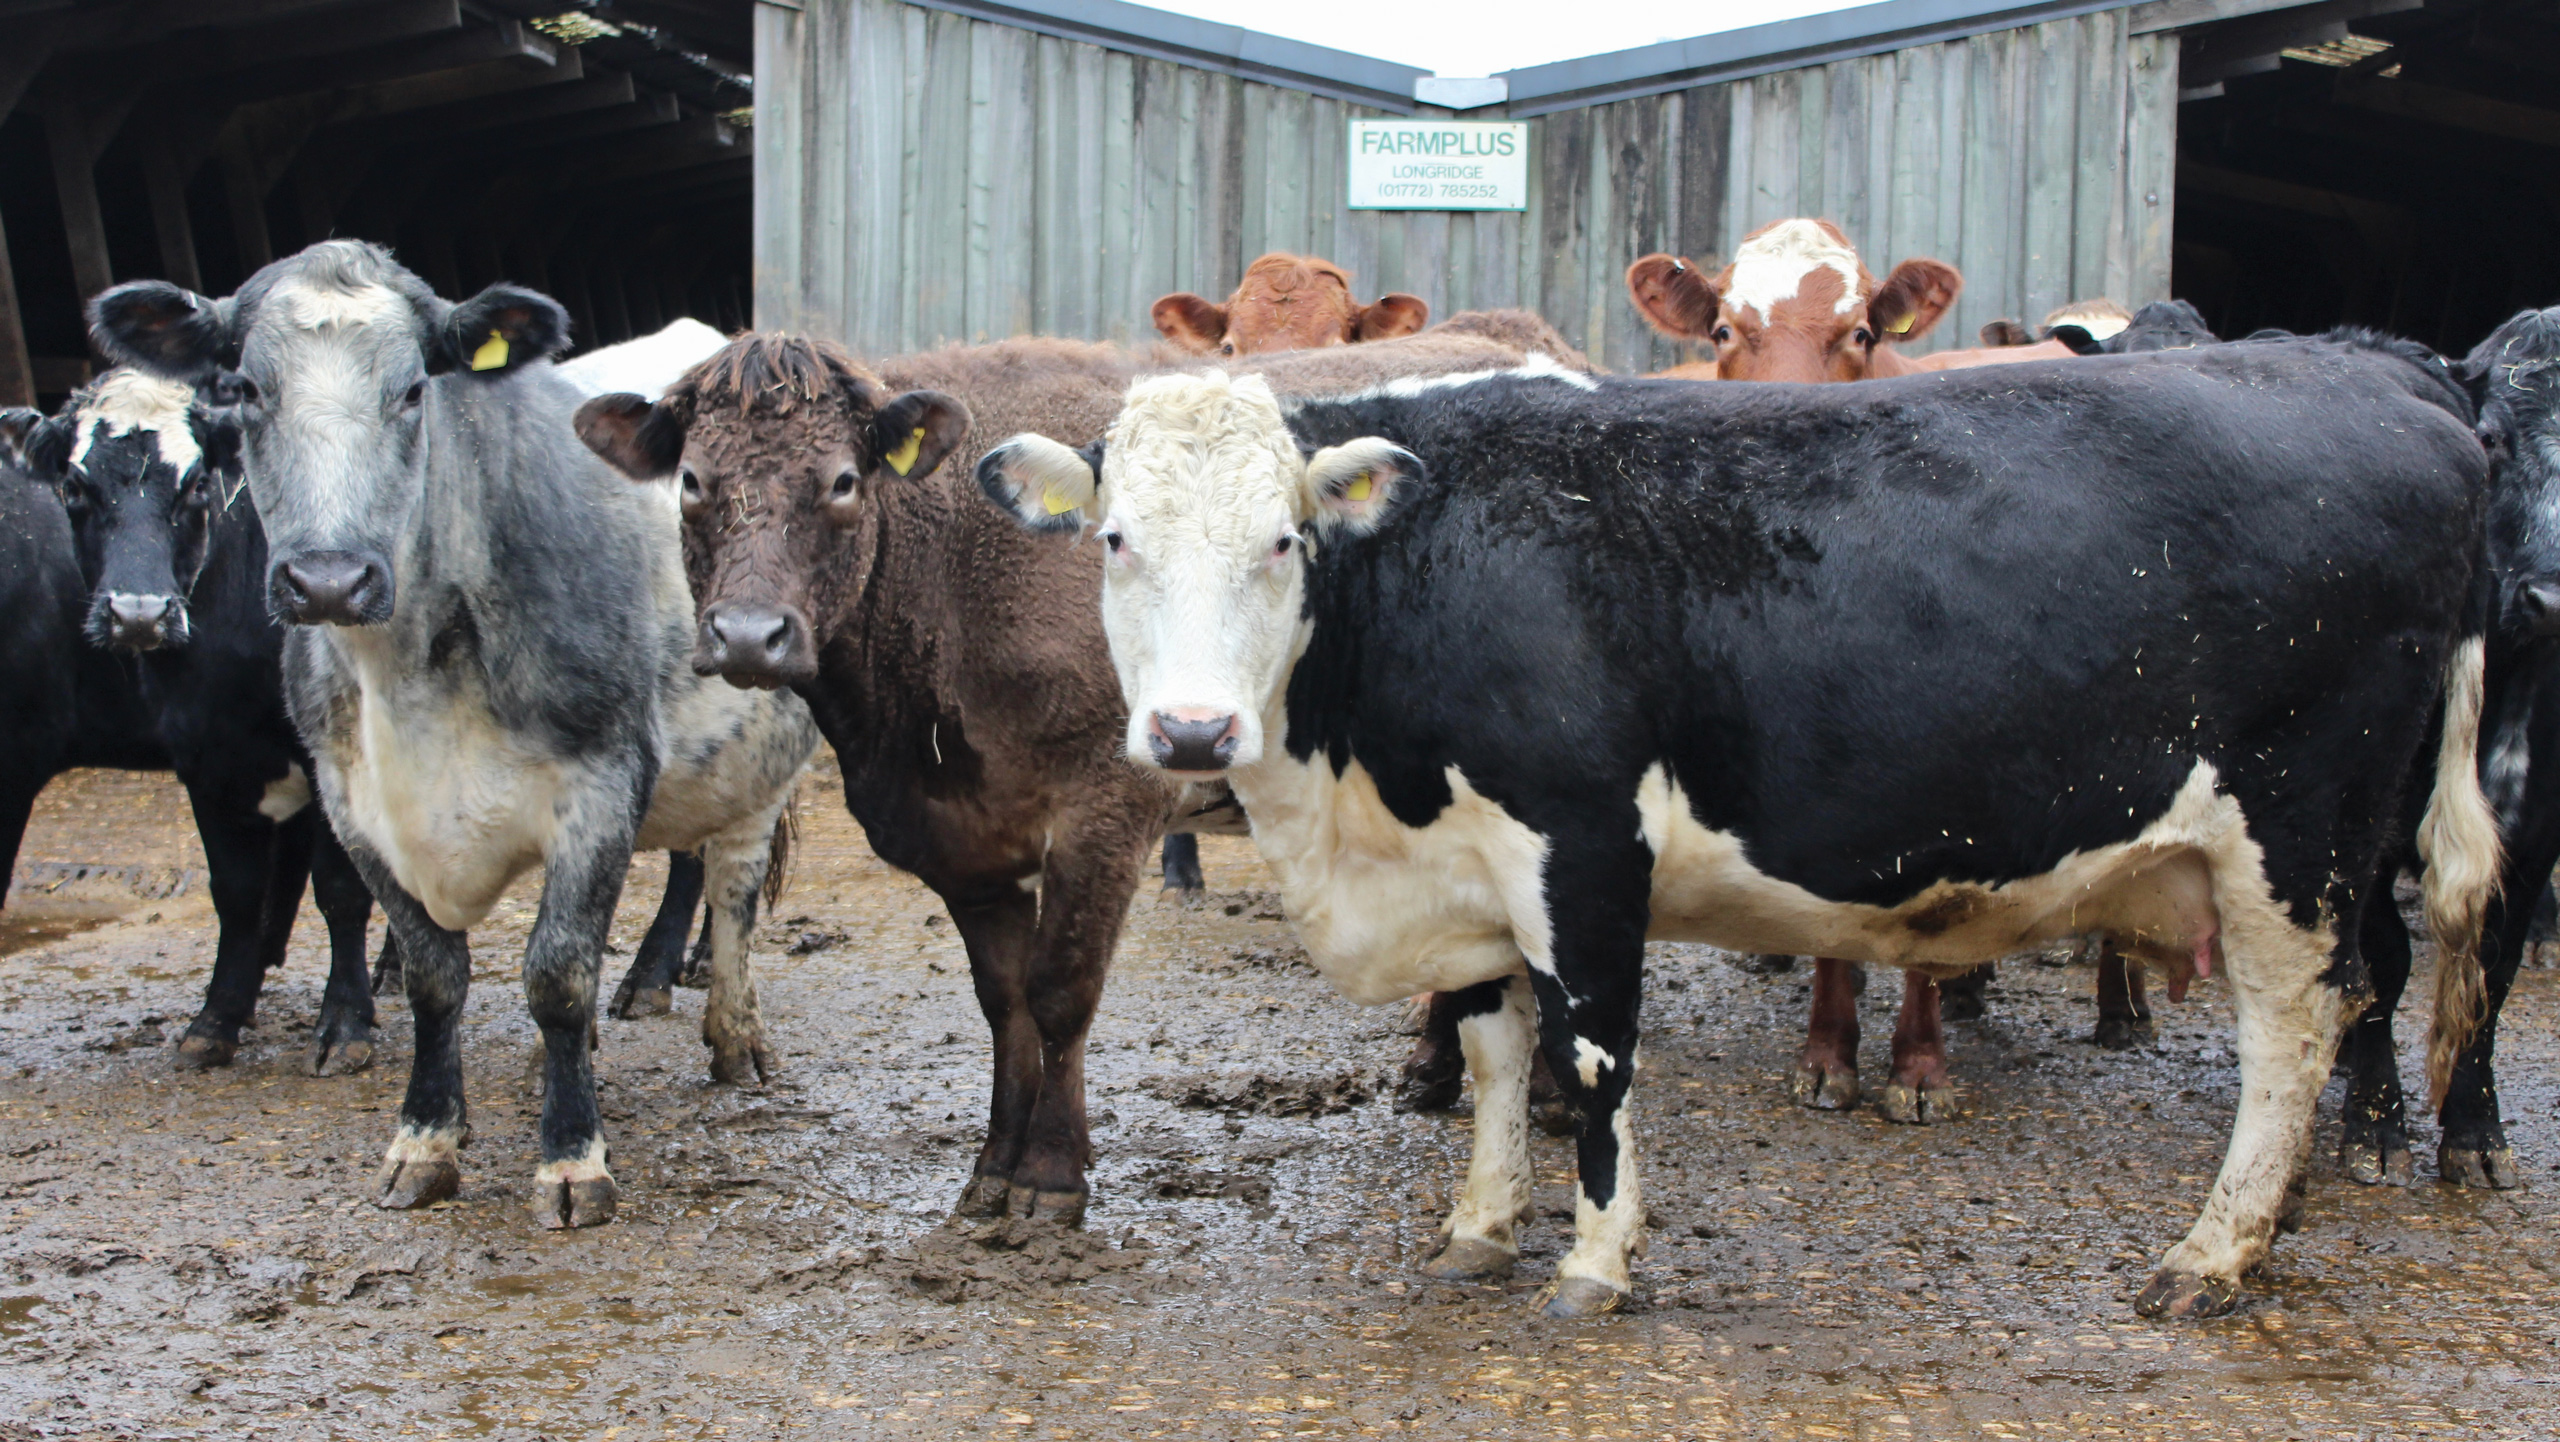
x,y
1205,510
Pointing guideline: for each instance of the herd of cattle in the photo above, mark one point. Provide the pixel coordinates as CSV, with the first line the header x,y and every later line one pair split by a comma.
x,y
2186,647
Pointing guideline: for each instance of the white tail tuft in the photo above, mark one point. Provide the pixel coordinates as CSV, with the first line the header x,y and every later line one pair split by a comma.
x,y
2459,840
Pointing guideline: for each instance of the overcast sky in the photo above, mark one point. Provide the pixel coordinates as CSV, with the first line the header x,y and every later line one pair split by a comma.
x,y
1483,37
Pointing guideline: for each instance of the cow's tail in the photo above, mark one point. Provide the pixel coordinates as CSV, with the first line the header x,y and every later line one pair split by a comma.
x,y
777,871
2459,841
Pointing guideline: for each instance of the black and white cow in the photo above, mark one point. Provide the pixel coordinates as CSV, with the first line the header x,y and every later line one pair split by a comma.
x,y
489,660
174,566
1516,670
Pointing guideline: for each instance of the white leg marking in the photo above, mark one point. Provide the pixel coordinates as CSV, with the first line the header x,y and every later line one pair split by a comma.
x,y
1499,1045
1604,1238
286,795
588,1167
423,1144
1588,1060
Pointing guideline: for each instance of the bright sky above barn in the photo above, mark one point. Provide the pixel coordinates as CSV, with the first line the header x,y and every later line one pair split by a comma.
x,y
1492,35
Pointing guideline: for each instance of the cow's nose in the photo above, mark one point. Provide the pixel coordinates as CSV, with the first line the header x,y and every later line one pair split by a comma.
x,y
761,646
332,588
1192,739
139,621
2541,606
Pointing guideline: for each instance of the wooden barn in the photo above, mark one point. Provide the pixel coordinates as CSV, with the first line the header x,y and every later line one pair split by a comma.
x,y
899,173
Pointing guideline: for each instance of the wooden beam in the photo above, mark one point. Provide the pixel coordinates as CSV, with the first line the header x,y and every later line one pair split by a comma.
x,y
245,192
601,90
2386,228
31,44
17,374
164,181
508,42
2415,100
75,184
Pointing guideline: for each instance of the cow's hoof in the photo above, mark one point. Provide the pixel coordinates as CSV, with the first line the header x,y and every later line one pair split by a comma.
x,y
1430,1093
2184,1295
742,1063
1916,1105
1471,1259
1961,1003
2123,1033
584,1202
422,1182
1766,964
983,1197
1830,1089
1583,1297
642,1001
1066,1208
2492,1170
2376,1164
344,1056
200,1052
1555,1116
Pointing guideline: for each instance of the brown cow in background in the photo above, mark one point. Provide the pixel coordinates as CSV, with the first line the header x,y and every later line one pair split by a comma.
x,y
1286,302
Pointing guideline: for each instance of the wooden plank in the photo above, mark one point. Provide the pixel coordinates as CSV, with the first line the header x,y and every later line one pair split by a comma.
x,y
1117,201
1254,162
31,44
17,372
75,184
1837,189
1091,230
1563,172
1706,174
940,261
2097,220
1632,207
2151,158
1154,197
1328,173
2052,56
164,185
1992,213
1293,199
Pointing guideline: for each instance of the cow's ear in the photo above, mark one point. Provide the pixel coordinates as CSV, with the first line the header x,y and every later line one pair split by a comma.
x,y
2005,333
2077,337
1351,485
166,330
1912,299
911,434
47,447
1390,316
1190,322
1674,297
16,423
499,329
641,440
1046,485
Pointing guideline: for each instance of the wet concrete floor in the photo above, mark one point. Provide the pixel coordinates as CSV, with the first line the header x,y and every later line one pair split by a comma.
x,y
188,1256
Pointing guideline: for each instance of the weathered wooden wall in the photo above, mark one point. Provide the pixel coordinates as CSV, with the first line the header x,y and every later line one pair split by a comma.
x,y
923,177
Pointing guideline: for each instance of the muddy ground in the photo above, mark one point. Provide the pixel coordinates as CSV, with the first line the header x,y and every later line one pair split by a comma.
x,y
195,1255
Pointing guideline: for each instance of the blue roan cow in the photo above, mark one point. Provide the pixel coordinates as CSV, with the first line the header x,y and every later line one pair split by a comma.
x,y
1514,671
489,660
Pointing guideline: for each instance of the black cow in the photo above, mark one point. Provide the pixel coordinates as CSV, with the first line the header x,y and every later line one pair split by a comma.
x,y
1515,671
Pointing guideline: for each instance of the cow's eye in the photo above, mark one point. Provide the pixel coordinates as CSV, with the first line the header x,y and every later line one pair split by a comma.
x,y
1863,336
196,495
689,489
416,393
1113,541
846,480
1281,547
1226,348
1723,333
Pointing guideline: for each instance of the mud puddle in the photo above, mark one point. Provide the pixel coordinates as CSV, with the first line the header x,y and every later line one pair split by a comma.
x,y
191,1256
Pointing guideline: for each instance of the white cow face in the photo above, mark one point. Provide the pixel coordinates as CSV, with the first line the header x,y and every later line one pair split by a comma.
x,y
1207,510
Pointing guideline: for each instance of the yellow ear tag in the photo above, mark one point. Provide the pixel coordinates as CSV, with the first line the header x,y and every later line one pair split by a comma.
x,y
491,354
904,457
1901,327
1358,490
1055,504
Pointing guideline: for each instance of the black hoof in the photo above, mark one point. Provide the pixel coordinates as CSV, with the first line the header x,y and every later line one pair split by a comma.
x,y
1583,1297
560,1206
342,1057
1555,1116
407,1186
1766,964
2123,1033
205,1050
1471,1259
2376,1163
2492,1169
638,1001
1429,1093
1829,1089
2182,1295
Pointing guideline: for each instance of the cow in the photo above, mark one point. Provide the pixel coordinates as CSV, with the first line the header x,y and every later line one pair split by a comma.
x,y
1286,302
837,545
1513,671
486,662
2514,375
174,569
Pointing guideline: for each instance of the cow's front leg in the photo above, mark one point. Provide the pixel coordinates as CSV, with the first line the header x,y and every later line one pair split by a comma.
x,y
648,988
573,1187
422,1167
2124,1010
2374,1145
1084,896
343,1041
1590,988
1827,1073
997,928
1920,1091
241,865
2290,1008
735,864
1496,1022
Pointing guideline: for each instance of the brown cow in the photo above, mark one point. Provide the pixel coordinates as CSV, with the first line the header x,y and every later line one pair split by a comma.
x,y
837,543
1286,302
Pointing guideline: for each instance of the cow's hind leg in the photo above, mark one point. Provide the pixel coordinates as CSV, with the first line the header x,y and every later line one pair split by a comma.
x,y
1827,1072
1182,863
2290,1004
2374,1147
422,1167
1920,1091
573,1186
998,928
240,865
2472,1149
733,866
648,988
343,1041
1435,1070
1496,1022
2124,1010
1963,997
1084,897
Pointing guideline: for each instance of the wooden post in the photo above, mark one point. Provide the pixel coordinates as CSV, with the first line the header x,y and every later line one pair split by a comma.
x,y
247,198
17,373
166,181
75,182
